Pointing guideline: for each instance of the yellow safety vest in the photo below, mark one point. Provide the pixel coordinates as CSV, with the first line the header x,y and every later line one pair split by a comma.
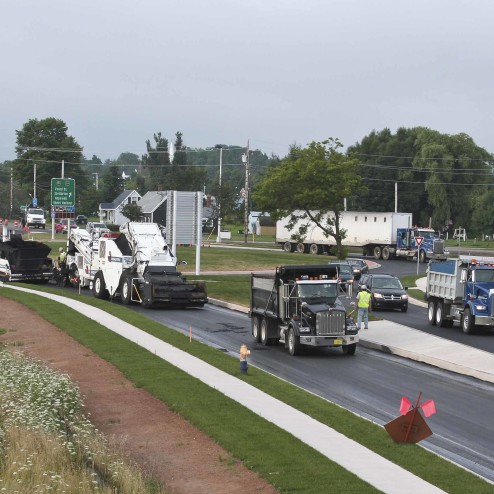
x,y
364,299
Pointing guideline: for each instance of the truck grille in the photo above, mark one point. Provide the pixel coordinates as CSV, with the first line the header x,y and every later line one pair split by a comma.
x,y
330,323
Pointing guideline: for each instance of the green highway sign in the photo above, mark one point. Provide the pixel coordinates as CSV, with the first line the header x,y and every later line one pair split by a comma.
x,y
62,192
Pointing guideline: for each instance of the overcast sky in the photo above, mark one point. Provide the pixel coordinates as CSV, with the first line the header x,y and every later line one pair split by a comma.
x,y
274,72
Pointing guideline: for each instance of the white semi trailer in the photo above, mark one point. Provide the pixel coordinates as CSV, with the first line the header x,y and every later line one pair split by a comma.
x,y
382,235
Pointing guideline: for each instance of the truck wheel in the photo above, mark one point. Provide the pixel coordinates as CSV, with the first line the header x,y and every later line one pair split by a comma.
x,y
349,349
422,256
467,321
385,253
264,332
377,252
440,315
126,289
256,332
99,287
431,312
301,248
293,343
288,247
314,249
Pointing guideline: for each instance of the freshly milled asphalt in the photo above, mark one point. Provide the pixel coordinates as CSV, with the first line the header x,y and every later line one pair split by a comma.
x,y
388,336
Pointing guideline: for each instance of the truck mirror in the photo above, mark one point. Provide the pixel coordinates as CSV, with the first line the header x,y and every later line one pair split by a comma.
x,y
464,276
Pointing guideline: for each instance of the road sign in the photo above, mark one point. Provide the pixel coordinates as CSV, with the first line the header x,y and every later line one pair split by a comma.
x,y
63,192
419,240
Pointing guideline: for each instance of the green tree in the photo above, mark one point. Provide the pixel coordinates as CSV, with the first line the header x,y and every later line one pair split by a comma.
x,y
112,183
310,186
132,211
156,163
46,144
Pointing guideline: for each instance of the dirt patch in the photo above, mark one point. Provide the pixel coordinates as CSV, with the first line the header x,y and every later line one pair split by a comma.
x,y
168,447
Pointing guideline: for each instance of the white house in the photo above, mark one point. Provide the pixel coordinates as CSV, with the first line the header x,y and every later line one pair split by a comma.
x,y
111,212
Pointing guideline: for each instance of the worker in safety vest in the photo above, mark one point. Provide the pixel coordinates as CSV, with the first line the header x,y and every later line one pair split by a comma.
x,y
363,304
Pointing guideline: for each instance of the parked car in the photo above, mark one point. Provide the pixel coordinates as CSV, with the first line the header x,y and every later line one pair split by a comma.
x,y
345,273
359,266
62,225
81,219
386,290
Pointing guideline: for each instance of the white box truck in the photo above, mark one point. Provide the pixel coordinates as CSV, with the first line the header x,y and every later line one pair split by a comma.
x,y
382,235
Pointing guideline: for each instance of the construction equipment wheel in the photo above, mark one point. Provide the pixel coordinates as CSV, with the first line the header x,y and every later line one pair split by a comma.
x,y
349,349
467,321
256,332
74,278
99,287
431,312
294,346
126,288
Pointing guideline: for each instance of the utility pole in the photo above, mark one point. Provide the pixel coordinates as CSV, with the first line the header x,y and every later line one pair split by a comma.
x,y
11,190
245,160
34,185
218,238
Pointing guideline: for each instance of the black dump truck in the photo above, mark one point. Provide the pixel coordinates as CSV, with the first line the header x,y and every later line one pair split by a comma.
x,y
299,306
28,259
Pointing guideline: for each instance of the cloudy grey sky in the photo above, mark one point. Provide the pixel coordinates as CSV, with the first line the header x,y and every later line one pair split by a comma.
x,y
276,72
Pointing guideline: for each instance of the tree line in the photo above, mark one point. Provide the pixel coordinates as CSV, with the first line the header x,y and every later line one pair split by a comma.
x,y
443,180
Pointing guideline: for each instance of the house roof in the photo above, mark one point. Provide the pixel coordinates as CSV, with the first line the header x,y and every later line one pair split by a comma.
x,y
118,200
151,200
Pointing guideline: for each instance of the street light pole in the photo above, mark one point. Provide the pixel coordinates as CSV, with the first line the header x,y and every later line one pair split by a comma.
x,y
218,238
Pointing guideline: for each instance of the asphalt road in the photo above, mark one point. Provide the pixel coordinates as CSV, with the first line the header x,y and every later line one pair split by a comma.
x,y
370,383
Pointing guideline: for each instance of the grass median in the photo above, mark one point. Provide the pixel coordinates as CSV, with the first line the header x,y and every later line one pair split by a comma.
x,y
284,461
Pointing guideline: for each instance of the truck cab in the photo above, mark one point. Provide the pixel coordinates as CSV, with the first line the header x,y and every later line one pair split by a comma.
x,y
429,245
35,217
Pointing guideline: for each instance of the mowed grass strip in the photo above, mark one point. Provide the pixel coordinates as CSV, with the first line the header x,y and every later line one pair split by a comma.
x,y
283,460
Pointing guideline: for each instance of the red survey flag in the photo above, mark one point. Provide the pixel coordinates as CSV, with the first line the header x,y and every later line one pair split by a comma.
x,y
429,408
405,405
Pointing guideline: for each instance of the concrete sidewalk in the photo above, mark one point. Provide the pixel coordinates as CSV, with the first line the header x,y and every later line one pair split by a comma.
x,y
367,465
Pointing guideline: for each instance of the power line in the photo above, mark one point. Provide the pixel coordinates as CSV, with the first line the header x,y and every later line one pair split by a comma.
x,y
423,159
418,182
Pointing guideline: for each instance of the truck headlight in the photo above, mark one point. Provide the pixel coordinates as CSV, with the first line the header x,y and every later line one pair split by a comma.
x,y
377,295
404,297
481,307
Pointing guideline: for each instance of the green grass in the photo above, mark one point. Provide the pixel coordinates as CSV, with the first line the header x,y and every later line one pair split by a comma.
x,y
283,460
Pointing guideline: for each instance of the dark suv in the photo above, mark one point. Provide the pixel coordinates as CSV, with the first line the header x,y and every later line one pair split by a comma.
x,y
359,266
345,273
387,292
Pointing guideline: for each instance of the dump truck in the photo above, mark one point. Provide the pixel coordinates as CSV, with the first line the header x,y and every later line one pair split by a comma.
x,y
382,235
27,259
461,290
299,307
139,266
